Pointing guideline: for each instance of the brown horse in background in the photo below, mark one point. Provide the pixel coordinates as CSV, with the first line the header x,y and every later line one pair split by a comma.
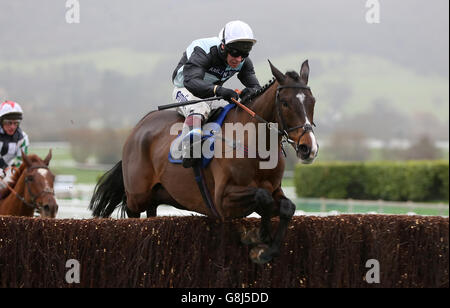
x,y
30,189
145,178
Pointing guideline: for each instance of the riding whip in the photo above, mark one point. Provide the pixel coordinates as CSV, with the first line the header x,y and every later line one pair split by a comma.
x,y
163,107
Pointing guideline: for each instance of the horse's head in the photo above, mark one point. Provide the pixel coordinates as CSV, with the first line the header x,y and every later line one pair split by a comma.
x,y
39,182
295,111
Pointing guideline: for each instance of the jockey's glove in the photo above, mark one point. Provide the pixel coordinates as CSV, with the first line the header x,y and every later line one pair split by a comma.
x,y
227,94
247,92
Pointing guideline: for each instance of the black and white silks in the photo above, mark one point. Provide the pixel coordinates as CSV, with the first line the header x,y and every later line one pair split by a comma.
x,y
11,146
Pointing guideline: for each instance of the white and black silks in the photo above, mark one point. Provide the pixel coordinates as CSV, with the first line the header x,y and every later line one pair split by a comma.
x,y
10,147
203,66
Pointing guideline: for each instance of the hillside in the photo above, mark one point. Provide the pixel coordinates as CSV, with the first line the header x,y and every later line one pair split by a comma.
x,y
351,83
116,87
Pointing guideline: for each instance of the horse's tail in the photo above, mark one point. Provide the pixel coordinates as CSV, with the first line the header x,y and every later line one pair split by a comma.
x,y
109,193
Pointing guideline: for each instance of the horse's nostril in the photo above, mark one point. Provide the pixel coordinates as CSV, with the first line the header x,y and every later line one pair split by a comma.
x,y
46,207
304,149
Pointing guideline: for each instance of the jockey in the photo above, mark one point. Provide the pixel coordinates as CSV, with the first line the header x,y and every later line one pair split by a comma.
x,y
12,138
204,67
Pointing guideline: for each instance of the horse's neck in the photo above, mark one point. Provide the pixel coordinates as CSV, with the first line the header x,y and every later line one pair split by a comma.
x,y
264,105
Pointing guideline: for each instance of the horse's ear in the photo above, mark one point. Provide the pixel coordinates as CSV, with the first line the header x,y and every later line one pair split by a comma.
x,y
276,73
26,159
304,72
49,156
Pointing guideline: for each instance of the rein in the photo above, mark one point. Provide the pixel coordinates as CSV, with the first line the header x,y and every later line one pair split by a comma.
x,y
33,203
284,131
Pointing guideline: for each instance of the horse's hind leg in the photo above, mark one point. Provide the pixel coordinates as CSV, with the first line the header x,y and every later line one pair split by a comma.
x,y
137,203
142,203
159,195
151,212
131,214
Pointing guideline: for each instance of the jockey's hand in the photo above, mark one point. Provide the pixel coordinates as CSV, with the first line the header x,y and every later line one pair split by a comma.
x,y
227,94
247,92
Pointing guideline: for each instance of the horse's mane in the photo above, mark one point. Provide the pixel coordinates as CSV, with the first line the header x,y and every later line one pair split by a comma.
x,y
292,74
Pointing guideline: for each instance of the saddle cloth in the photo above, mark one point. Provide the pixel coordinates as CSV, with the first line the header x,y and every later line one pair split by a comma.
x,y
207,137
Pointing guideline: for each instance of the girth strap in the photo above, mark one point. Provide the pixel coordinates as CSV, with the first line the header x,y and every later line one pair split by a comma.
x,y
200,179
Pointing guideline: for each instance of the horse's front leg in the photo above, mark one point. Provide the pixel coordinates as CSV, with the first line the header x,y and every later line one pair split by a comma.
x,y
286,209
241,201
264,204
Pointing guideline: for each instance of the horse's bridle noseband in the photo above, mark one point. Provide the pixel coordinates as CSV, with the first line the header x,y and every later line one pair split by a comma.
x,y
33,197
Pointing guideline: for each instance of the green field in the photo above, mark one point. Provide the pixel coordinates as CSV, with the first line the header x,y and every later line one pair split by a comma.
x,y
83,176
317,206
62,163
58,153
354,77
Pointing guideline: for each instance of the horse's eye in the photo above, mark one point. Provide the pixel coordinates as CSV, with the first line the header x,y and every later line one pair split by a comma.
x,y
285,104
29,178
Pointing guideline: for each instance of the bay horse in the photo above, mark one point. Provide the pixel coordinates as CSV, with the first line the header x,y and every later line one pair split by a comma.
x,y
144,178
30,189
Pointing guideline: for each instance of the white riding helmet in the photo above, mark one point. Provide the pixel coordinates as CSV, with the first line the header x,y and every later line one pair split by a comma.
x,y
11,110
236,31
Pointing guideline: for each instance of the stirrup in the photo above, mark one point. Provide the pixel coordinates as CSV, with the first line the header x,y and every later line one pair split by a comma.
x,y
187,154
191,139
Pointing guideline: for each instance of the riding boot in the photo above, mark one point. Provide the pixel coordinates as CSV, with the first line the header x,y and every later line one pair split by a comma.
x,y
191,140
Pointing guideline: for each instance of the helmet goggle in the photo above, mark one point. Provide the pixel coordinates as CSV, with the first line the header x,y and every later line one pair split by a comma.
x,y
11,122
239,49
236,53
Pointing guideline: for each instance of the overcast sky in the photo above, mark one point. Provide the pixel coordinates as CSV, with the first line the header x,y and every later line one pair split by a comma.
x,y
411,32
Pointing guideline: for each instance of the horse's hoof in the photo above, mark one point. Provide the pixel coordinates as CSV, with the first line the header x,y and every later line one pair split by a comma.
x,y
260,254
250,237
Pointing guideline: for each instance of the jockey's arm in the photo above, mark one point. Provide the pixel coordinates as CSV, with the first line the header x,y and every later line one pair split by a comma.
x,y
194,72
